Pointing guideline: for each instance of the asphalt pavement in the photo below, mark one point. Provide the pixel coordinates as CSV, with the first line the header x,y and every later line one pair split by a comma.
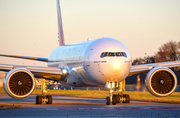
x,y
75,107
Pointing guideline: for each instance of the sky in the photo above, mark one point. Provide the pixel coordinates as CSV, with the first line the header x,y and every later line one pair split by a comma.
x,y
29,27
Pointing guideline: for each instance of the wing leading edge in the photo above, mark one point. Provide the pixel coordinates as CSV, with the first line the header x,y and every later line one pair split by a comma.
x,y
26,57
39,72
135,69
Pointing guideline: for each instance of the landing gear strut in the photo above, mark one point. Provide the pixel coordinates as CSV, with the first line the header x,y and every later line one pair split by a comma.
x,y
44,98
120,97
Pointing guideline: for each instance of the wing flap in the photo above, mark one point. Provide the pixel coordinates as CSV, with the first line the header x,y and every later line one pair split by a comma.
x,y
39,72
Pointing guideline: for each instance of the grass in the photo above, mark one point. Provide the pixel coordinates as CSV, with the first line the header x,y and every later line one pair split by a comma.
x,y
135,95
78,93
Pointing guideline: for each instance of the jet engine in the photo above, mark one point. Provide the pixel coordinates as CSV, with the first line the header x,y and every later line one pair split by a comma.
x,y
161,81
19,83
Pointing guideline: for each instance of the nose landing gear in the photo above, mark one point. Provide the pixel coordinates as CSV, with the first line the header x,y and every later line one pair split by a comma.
x,y
120,97
44,98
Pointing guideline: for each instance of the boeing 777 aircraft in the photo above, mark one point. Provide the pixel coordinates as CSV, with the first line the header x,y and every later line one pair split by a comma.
x,y
101,62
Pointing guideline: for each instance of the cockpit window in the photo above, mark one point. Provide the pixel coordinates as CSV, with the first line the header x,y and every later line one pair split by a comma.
x,y
105,54
118,54
113,54
124,54
102,55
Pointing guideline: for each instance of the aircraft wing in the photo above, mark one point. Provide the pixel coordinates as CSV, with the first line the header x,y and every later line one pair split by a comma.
x,y
26,57
135,69
38,71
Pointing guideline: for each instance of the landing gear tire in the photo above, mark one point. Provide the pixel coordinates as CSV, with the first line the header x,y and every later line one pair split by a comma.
x,y
49,97
117,98
38,99
114,100
127,98
107,100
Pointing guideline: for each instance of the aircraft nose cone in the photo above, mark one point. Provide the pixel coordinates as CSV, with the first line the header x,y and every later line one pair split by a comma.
x,y
113,70
115,65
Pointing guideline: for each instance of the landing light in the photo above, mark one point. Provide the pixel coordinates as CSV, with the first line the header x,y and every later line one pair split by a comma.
x,y
113,85
64,71
110,85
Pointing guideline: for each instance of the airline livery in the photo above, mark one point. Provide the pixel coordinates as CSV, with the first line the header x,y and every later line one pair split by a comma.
x,y
101,62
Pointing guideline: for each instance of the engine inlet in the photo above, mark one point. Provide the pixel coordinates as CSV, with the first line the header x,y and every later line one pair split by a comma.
x,y
20,83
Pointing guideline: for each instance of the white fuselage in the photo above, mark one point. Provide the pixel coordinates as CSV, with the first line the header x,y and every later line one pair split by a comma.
x,y
92,63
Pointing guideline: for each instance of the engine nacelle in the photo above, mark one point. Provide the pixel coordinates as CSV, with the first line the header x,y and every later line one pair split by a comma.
x,y
161,81
19,83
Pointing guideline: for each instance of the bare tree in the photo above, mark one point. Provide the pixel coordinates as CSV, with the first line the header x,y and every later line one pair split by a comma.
x,y
137,61
168,52
150,59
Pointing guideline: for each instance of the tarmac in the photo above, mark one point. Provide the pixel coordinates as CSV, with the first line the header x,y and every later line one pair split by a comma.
x,y
75,107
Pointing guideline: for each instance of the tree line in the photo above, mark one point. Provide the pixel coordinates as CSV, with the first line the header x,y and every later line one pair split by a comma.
x,y
169,51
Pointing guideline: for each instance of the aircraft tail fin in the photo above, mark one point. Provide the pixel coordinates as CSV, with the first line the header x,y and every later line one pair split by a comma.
x,y
60,26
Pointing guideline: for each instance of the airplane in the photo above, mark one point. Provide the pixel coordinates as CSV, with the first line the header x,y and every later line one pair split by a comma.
x,y
95,63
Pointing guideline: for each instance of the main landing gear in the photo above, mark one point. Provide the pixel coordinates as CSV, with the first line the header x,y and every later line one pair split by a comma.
x,y
44,98
117,98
